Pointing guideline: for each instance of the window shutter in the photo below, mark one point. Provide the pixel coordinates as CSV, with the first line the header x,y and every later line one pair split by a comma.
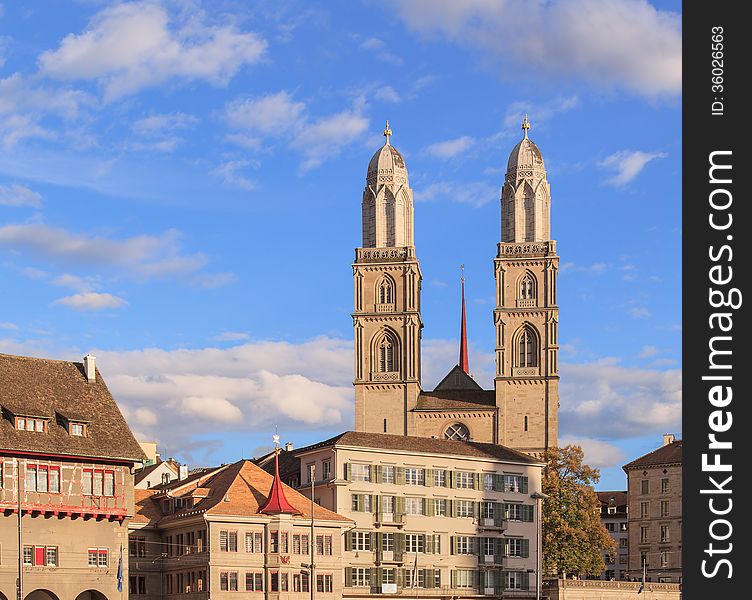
x,y
499,483
374,503
348,471
374,577
525,548
452,479
499,514
476,509
525,580
428,507
454,544
452,508
348,540
378,544
399,475
506,547
476,545
523,485
527,512
379,578
428,547
454,579
400,577
477,481
424,502
428,578
499,549
436,543
399,505
399,545
429,477
348,577
376,473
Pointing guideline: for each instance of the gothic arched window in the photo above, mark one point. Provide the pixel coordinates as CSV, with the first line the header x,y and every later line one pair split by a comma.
x,y
527,349
457,431
386,355
527,289
386,291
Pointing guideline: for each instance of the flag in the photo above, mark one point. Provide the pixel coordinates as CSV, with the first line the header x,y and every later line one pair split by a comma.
x,y
415,573
120,570
642,585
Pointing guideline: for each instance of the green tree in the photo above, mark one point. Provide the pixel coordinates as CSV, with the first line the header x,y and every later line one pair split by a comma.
x,y
573,535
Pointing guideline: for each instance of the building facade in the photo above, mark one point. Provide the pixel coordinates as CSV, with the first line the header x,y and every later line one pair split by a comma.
x,y
521,412
614,516
66,483
219,533
433,517
654,488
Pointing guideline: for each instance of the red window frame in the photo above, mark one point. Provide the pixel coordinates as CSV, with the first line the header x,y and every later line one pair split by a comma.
x,y
103,475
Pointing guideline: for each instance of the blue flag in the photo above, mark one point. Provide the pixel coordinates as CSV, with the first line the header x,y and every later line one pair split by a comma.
x,y
120,570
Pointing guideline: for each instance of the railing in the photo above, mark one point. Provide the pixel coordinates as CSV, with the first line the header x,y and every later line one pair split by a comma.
x,y
396,519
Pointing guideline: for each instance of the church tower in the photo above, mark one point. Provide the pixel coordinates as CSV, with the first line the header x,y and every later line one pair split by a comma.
x,y
386,316
526,314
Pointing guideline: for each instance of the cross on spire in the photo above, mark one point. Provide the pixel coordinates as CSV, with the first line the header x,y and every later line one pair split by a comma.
x,y
525,124
387,132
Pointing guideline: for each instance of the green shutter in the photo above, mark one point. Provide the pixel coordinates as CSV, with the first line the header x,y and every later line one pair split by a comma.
x,y
477,481
527,512
525,580
428,578
523,485
378,540
348,540
379,577
454,544
452,479
525,548
400,577
399,475
451,508
374,503
348,577
374,577
348,471
399,505
454,579
428,508
428,477
476,545
499,483
399,546
376,473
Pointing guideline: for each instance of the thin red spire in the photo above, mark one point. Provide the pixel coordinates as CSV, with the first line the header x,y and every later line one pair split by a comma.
x,y
463,331
277,503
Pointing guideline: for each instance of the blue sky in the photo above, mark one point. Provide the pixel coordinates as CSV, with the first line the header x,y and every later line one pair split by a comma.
x,y
180,188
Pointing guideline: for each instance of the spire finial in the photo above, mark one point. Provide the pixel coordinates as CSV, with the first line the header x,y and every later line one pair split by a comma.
x,y
525,124
463,364
387,132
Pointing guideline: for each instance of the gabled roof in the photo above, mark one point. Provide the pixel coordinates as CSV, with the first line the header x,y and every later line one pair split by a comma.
x,y
670,454
457,379
58,391
238,489
615,499
457,391
144,472
413,444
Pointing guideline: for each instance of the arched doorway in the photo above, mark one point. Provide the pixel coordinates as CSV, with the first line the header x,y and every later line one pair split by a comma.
x,y
91,595
41,595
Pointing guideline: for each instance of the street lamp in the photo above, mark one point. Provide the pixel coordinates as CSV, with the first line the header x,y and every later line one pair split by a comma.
x,y
538,496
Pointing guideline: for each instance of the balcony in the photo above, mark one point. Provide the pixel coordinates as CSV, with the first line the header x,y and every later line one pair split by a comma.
x,y
493,523
388,519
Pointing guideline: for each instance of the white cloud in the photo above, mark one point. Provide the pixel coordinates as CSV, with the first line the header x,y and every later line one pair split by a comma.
x,y
474,193
130,46
603,399
648,351
8,326
450,148
81,284
159,131
598,454
270,114
627,165
592,269
230,172
327,136
15,128
624,44
91,301
19,195
387,93
639,312
538,112
231,336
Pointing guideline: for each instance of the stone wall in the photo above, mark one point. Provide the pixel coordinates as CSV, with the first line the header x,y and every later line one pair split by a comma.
x,y
581,589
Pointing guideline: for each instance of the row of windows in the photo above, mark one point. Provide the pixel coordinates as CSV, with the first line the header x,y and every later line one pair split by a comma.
x,y
441,507
431,578
665,534
186,583
645,486
190,542
616,527
42,426
48,556
490,482
279,542
229,581
45,478
665,509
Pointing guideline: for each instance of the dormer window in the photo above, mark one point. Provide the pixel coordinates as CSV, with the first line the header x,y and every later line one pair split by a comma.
x,y
78,429
31,424
612,510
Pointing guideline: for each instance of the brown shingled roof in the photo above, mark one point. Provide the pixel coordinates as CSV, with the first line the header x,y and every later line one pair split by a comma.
x,y
238,489
670,454
385,441
58,390
147,512
456,400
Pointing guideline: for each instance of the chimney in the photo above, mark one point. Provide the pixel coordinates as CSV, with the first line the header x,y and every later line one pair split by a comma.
x,y
90,368
289,447
668,438
183,472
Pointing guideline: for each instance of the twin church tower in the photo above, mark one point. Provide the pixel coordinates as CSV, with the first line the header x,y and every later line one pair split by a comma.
x,y
521,412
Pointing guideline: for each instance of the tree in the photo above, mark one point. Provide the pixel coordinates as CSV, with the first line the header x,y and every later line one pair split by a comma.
x,y
573,535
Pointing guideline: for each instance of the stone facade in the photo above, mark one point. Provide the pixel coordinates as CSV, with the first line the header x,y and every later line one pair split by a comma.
x,y
521,411
654,487
578,589
456,517
614,516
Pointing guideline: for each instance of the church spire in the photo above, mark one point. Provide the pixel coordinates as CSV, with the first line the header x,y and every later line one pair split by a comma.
x,y
387,132
463,330
277,502
525,125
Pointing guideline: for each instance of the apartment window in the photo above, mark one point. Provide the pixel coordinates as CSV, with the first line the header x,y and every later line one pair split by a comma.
x,y
387,542
40,556
283,543
439,477
309,468
360,472
611,527
465,578
623,542
361,502
623,558
76,429
414,506
361,540
388,576
513,483
387,504
665,533
98,482
610,559
489,482
228,541
28,555
324,583
644,510
98,557
137,585
645,486
664,559
300,582
664,508
514,547
465,508
513,512
274,542
361,577
612,510
489,546
439,507
488,510
414,476
644,534
296,545
25,424
414,542
387,474
137,545
465,479
419,576
228,581
465,544
324,545
623,526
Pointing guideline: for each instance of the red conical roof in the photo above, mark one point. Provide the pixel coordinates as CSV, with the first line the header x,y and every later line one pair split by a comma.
x,y
277,503
463,364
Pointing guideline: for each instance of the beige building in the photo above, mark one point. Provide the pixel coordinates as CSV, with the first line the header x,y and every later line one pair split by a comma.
x,y
66,455
234,531
654,487
521,412
433,517
614,516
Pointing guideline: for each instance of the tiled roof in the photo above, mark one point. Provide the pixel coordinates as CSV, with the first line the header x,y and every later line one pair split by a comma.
x,y
141,474
58,390
669,454
147,511
238,489
456,400
616,499
385,441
